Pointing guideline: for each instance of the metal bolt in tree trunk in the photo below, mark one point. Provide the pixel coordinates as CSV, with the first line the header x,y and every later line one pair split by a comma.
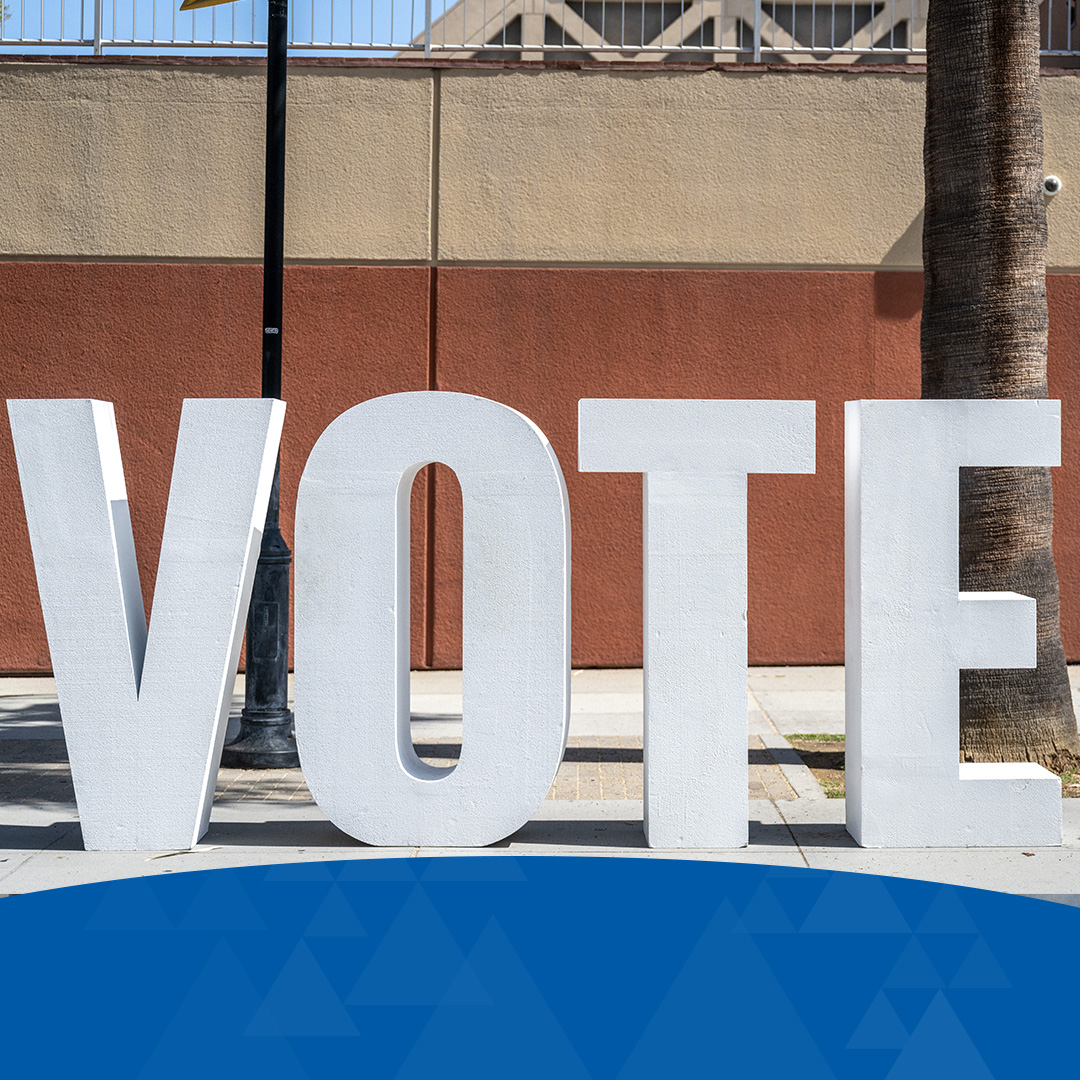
x,y
984,335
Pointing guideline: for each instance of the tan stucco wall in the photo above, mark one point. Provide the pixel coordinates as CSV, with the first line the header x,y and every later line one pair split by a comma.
x,y
1061,156
717,167
692,168
114,160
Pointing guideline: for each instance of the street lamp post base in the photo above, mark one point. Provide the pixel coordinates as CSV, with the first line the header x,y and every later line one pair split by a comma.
x,y
264,743
265,740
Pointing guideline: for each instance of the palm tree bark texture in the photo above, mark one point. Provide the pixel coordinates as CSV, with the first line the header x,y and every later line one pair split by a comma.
x,y
984,335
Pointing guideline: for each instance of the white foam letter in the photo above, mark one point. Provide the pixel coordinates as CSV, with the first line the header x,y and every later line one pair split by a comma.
x,y
352,620
696,456
144,713
909,630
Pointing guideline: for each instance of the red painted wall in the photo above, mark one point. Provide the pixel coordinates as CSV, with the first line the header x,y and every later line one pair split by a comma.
x,y
541,339
147,335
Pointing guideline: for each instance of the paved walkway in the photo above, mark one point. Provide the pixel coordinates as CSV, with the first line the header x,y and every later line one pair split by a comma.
x,y
594,807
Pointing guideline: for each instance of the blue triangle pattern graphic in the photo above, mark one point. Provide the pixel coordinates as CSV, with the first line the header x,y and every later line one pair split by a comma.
x,y
515,1035
205,1028
913,970
980,971
724,988
414,962
465,989
911,896
637,948
939,1046
376,903
946,952
301,1002
222,904
797,894
175,892
910,1004
947,914
341,959
831,981
855,904
130,907
764,914
335,918
632,966
879,1029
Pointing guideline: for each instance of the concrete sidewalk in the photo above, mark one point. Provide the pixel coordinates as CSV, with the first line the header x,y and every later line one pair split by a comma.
x,y
594,807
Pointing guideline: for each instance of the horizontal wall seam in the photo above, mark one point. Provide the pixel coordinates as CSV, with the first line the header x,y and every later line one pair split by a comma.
x,y
526,264
198,260
192,260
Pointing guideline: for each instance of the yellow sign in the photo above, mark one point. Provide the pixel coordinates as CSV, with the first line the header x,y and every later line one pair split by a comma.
x,y
191,5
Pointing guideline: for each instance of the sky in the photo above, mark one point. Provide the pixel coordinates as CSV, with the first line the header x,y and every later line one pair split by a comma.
x,y
366,22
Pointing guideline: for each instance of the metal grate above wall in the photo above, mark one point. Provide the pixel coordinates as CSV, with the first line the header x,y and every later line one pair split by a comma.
x,y
816,31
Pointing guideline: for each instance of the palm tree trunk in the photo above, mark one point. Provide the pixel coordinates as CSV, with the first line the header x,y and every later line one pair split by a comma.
x,y
984,332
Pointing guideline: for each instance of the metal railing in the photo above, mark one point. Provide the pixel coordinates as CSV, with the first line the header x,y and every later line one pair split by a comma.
x,y
828,31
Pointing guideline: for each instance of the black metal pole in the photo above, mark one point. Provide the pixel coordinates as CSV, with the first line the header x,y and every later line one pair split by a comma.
x,y
265,740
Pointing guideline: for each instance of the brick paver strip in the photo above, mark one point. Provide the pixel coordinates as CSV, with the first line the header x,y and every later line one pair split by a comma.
x,y
607,767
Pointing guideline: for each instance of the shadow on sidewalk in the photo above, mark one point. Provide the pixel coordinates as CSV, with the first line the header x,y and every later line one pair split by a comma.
x,y
288,833
307,834
56,836
820,836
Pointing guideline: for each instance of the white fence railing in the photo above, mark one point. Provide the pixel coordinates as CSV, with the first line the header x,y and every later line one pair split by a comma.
x,y
831,31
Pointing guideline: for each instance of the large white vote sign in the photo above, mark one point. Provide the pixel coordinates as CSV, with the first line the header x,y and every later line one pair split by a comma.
x,y
144,712
910,631
695,456
352,621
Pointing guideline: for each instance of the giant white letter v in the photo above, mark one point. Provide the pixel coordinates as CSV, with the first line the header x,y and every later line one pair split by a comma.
x,y
144,711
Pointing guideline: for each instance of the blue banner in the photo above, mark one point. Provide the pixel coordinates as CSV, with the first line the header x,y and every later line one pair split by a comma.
x,y
536,967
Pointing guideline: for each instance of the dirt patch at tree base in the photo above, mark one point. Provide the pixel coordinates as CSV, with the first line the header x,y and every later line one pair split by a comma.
x,y
1067,765
824,756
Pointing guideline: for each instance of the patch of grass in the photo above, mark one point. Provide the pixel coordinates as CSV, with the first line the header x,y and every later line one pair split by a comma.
x,y
1070,784
815,738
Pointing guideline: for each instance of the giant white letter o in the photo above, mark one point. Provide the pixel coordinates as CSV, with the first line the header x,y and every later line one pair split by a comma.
x,y
352,621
